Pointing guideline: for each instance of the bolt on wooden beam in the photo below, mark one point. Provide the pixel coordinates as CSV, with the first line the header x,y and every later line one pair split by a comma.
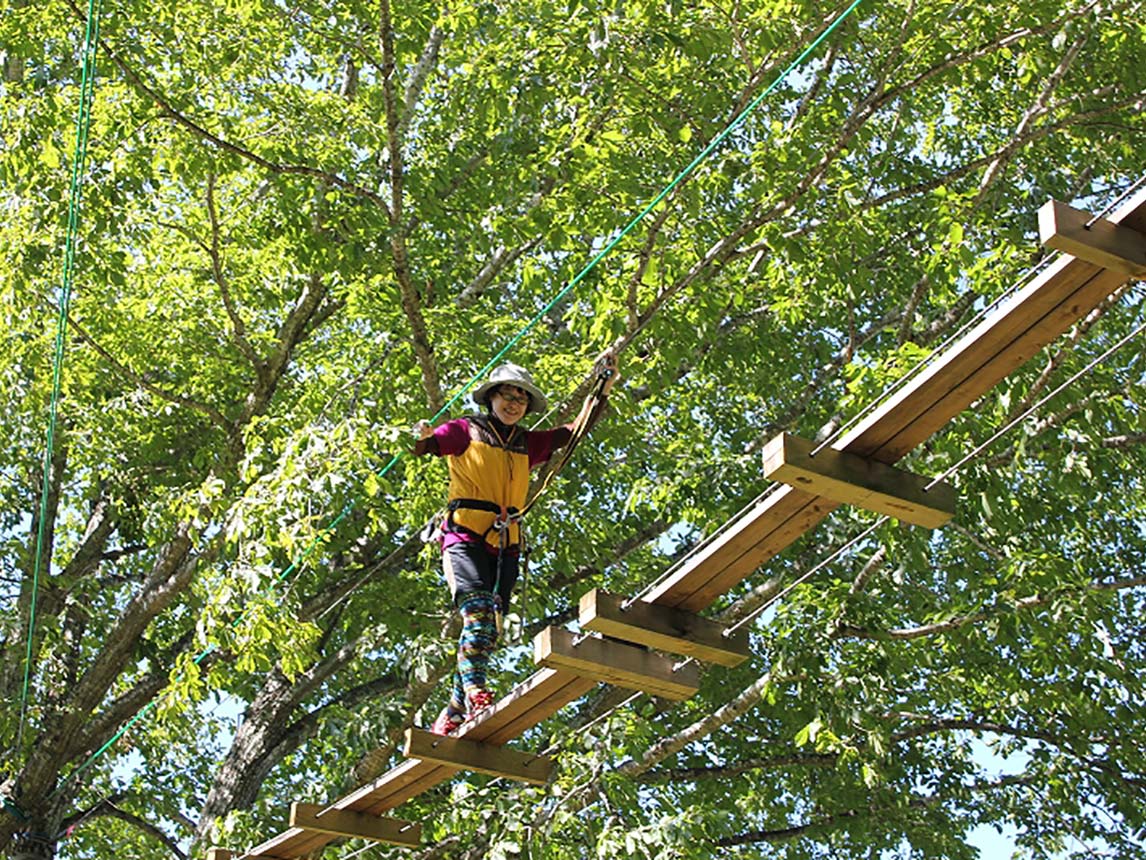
x,y
483,758
616,663
343,822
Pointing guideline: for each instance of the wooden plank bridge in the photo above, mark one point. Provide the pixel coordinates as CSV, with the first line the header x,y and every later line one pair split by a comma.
x,y
1099,257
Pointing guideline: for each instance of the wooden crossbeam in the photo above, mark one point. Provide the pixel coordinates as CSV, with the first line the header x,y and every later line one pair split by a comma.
x,y
219,854
615,663
465,754
1103,243
663,628
356,825
861,481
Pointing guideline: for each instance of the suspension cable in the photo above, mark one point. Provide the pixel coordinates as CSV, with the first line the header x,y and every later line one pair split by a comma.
x,y
890,389
79,160
949,472
1110,206
853,542
1074,378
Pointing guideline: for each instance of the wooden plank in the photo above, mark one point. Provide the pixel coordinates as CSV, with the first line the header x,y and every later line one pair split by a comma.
x,y
396,786
663,628
534,700
1103,243
483,758
539,697
861,481
409,779
356,825
766,529
219,854
616,663
1065,292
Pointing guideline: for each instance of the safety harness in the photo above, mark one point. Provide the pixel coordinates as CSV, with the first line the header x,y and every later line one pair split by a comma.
x,y
505,517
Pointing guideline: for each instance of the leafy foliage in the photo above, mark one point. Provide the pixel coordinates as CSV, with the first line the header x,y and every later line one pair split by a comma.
x,y
305,228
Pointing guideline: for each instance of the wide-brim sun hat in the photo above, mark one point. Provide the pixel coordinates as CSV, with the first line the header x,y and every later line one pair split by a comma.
x,y
511,374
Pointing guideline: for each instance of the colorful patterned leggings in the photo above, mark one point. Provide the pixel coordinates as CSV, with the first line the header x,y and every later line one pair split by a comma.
x,y
475,647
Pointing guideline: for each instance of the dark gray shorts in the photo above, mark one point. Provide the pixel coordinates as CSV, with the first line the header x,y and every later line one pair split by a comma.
x,y
472,567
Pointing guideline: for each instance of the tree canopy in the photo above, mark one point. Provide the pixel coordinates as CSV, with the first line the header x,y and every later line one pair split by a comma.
x,y
306,226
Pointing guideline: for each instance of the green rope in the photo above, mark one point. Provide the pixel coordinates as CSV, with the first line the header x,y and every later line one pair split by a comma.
x,y
592,264
580,276
83,124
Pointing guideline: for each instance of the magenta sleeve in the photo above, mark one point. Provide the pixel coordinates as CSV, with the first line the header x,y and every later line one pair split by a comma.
x,y
453,437
542,443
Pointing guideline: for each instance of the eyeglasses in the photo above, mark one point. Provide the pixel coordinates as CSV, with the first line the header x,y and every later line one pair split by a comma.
x,y
509,397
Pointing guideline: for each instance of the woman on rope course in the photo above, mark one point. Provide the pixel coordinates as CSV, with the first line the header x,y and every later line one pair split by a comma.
x,y
489,459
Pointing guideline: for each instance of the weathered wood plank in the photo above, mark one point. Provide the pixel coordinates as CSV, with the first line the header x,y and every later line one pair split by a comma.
x,y
483,758
408,779
663,628
616,663
861,481
1103,243
355,825
765,530
1060,296
536,699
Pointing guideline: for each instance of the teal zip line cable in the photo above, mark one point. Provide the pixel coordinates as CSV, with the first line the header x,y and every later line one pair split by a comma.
x,y
688,170
83,125
592,264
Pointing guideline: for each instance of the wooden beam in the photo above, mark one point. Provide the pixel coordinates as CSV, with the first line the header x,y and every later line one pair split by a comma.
x,y
663,628
764,530
861,481
356,825
483,758
219,854
1103,243
615,663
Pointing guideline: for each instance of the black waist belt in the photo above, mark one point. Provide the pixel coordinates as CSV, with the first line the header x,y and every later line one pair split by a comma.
x,y
513,515
481,505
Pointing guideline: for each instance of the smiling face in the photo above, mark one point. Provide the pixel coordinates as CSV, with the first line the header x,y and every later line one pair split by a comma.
x,y
509,404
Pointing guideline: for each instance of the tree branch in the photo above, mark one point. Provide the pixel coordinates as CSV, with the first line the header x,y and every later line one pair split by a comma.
x,y
502,258
199,131
1040,107
214,415
419,74
408,293
1072,340
238,329
108,809
829,822
925,630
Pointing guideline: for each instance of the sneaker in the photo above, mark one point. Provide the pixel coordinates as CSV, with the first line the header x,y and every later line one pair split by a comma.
x,y
446,723
479,700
